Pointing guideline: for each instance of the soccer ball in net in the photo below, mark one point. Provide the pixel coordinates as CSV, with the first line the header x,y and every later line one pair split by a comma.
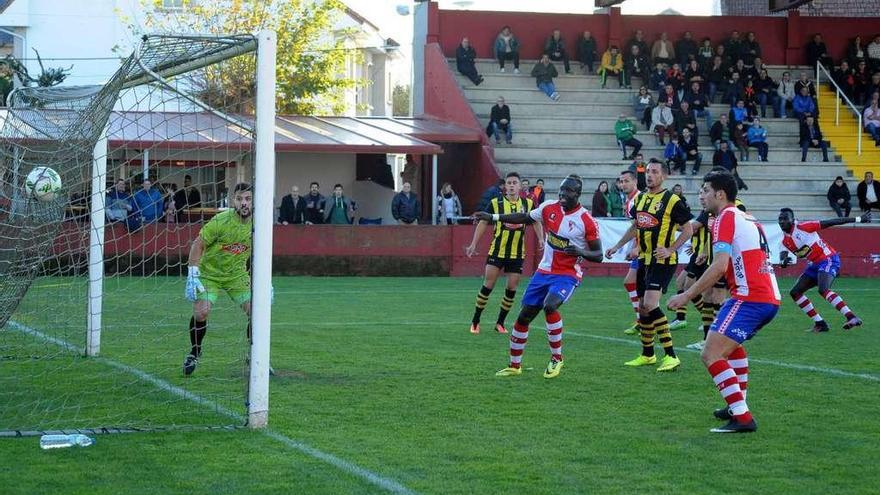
x,y
43,183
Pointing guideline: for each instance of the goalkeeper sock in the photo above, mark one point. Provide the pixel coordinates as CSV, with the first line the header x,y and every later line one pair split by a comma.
x,y
482,300
506,304
197,331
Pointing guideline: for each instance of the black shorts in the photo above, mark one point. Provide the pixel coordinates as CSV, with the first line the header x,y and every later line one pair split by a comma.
x,y
722,283
509,266
653,277
694,270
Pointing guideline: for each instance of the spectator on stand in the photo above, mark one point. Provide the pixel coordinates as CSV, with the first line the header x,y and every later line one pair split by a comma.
x,y
638,40
405,207
186,198
637,65
496,190
740,137
643,103
625,132
691,150
544,72
448,205
679,191
733,47
733,90
639,167
555,48
804,82
839,197
612,63
864,84
686,49
293,208
340,210
750,99
720,132
868,192
499,120
602,201
684,118
674,155
668,95
811,137
148,205
524,188
315,202
694,72
716,78
856,51
726,159
739,113
538,191
698,102
784,94
751,50
818,52
803,105
739,67
657,79
662,51
662,121
507,48
757,136
705,53
874,54
465,57
721,51
871,118
615,200
845,77
765,88
675,78
586,52
118,203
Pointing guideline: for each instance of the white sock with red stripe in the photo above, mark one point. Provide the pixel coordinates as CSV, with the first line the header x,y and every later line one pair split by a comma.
x,y
838,303
728,384
554,335
739,361
518,338
804,303
633,296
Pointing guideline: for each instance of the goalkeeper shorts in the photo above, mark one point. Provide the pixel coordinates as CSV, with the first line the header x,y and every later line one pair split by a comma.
x,y
238,289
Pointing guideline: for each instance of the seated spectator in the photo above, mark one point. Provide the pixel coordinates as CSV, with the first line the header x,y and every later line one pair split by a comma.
x,y
544,72
811,137
871,119
638,40
738,67
657,79
507,48
586,52
686,49
739,113
293,208
612,63
750,99
340,210
662,51
818,52
315,202
720,132
740,137
465,57
448,205
118,203
874,54
675,78
705,53
721,51
864,84
636,65
625,132
757,137
868,192
669,95
751,50
148,205
856,51
765,88
674,155
716,78
725,159
662,121
693,72
643,103
555,49
803,104
405,206
691,150
839,197
699,102
733,47
602,201
499,120
845,77
733,90
684,118
784,94
804,82
615,200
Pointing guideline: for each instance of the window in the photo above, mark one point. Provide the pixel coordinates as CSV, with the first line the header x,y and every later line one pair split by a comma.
x,y
173,4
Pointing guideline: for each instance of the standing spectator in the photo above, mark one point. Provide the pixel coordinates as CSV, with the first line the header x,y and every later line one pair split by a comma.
x,y
293,208
496,190
686,49
118,203
657,79
868,192
465,57
405,207
315,203
586,52
757,136
148,204
811,137
698,102
871,118
740,137
507,48
636,65
804,82
639,168
555,48
341,210
662,51
499,120
691,150
538,191
625,132
643,103
839,197
705,53
638,40
186,198
751,50
845,77
765,88
716,77
674,155
720,132
733,47
856,50
874,53
818,52
544,72
803,104
615,200
448,205
602,201
684,118
612,63
785,94
725,159
662,121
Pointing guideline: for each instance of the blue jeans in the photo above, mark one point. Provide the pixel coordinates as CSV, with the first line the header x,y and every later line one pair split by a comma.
x,y
704,113
762,149
874,131
711,91
548,88
508,132
780,106
763,99
805,145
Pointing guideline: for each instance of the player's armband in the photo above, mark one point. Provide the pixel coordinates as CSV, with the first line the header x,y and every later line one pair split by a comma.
x,y
721,247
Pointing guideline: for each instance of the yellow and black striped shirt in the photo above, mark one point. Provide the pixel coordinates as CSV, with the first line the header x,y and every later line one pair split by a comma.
x,y
701,242
657,217
509,242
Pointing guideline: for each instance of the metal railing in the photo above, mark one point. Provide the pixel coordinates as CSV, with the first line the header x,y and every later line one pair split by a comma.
x,y
840,94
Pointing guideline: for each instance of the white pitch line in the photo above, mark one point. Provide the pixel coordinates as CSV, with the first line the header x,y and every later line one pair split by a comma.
x,y
339,463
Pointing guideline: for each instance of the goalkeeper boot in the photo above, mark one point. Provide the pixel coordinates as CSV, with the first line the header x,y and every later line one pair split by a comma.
x,y
723,414
189,364
475,328
678,324
500,328
509,371
669,363
853,322
633,330
734,426
642,360
553,369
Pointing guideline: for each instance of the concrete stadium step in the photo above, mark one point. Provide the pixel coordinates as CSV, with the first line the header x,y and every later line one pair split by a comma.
x,y
543,139
531,94
612,153
592,123
549,108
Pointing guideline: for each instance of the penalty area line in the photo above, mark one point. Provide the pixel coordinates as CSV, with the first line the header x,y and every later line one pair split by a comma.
x,y
337,462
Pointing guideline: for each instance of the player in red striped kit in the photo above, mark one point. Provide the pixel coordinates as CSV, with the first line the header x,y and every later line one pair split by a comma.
x,y
571,235
823,264
740,250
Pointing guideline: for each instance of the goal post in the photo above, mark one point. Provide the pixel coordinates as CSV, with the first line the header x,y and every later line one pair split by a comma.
x,y
96,247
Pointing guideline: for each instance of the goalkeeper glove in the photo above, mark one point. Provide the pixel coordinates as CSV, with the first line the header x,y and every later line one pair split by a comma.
x,y
193,285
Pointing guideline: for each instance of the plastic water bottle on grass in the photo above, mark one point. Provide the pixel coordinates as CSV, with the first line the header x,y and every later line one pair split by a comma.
x,y
64,441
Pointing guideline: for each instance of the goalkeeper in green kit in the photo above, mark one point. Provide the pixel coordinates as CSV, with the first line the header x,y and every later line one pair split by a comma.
x,y
218,261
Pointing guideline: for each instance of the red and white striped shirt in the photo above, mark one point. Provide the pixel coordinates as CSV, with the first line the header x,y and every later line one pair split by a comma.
x,y
804,242
575,228
749,272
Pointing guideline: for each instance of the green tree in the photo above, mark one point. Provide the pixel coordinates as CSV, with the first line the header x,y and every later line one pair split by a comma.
x,y
400,101
311,56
